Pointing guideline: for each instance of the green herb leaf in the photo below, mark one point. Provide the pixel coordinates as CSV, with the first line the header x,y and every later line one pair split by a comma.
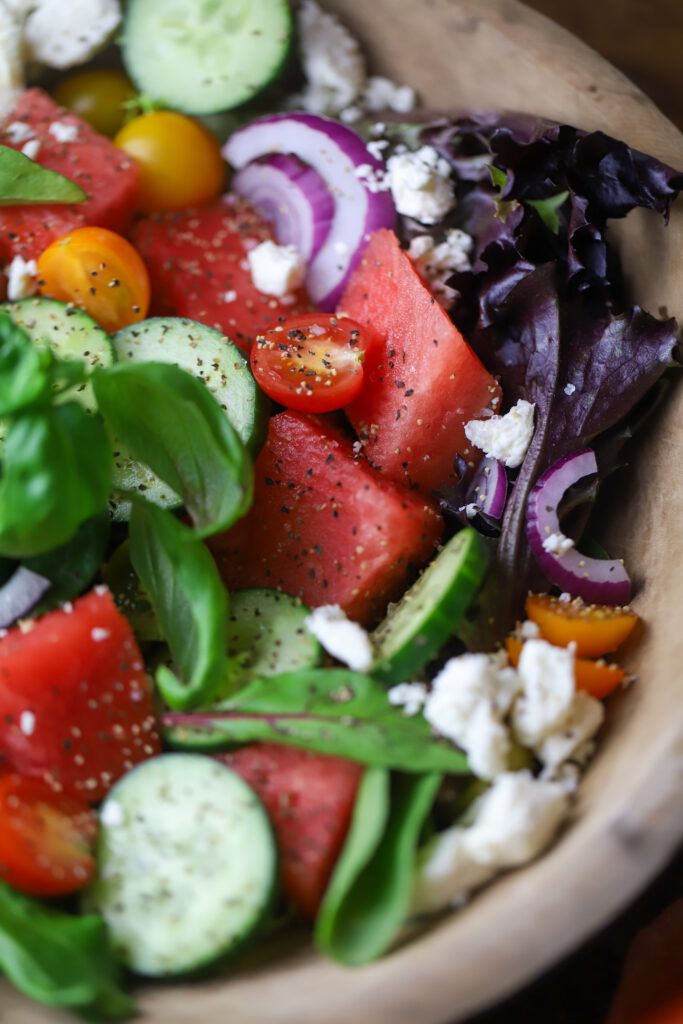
x,y
24,369
547,209
189,599
56,474
73,566
499,179
59,959
169,420
369,894
332,711
23,181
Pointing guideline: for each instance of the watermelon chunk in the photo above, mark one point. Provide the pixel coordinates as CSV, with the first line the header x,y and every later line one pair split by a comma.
x,y
106,173
198,269
422,381
309,799
324,525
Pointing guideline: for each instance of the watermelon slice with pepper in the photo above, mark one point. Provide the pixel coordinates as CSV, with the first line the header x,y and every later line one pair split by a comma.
x,y
64,143
324,525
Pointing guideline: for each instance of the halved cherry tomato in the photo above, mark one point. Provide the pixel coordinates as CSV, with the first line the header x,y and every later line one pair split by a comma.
x,y
597,678
46,838
180,161
97,96
596,629
99,271
312,362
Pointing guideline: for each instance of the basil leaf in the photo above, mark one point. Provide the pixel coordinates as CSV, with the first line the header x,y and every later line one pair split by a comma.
x,y
189,599
369,894
72,566
59,959
332,711
24,369
24,181
169,420
56,474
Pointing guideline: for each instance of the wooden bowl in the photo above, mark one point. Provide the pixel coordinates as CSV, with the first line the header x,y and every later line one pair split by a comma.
x,y
629,817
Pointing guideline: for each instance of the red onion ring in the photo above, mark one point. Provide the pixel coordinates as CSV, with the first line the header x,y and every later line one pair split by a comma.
x,y
22,592
595,580
489,488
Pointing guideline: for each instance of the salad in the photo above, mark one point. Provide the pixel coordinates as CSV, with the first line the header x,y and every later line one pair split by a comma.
x,y
306,397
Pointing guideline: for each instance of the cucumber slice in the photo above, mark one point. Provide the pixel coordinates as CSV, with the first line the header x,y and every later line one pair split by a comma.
x,y
211,357
267,636
187,864
203,56
429,613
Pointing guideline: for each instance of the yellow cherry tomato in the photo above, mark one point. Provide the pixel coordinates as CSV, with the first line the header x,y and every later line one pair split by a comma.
x,y
180,161
96,96
100,272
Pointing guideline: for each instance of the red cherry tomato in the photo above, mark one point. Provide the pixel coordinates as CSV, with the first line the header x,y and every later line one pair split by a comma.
x,y
312,362
99,271
46,838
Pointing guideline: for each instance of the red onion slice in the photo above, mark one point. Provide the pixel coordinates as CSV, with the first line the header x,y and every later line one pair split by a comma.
x,y
22,592
597,581
343,161
292,196
488,489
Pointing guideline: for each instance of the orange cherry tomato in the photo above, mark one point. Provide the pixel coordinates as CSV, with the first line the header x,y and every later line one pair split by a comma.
x,y
597,678
46,838
100,272
312,362
596,629
97,96
180,161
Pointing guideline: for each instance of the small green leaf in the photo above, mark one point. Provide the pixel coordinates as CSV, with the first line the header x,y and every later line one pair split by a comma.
x,y
499,179
59,959
189,599
547,209
331,711
24,369
170,421
23,181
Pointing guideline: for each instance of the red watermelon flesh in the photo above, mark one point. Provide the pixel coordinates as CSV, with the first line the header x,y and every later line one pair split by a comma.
x,y
324,525
107,175
197,262
422,381
309,799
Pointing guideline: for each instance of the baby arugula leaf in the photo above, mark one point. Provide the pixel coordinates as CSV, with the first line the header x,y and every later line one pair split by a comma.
x,y
189,599
59,959
331,711
169,420
56,473
369,894
24,181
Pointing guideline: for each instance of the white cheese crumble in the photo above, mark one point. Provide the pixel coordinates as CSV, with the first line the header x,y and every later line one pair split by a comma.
x,y
374,180
332,61
383,94
99,633
557,544
11,62
111,814
504,437
19,131
569,389
515,821
547,678
276,269
62,34
529,630
469,698
583,719
409,696
435,263
62,131
31,148
27,722
21,278
345,640
421,184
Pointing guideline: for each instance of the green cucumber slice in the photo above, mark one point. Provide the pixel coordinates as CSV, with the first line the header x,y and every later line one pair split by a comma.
x,y
267,636
429,612
186,864
208,355
203,56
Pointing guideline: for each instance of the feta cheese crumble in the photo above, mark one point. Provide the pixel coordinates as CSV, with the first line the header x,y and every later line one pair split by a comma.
x,y
27,722
332,61
345,640
19,131
547,681
62,131
21,278
382,94
435,263
62,34
409,696
31,148
504,437
557,544
276,269
421,184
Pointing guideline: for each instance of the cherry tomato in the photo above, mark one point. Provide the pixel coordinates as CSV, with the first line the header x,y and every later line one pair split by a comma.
x,y
180,161
46,838
596,629
99,271
96,96
312,362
